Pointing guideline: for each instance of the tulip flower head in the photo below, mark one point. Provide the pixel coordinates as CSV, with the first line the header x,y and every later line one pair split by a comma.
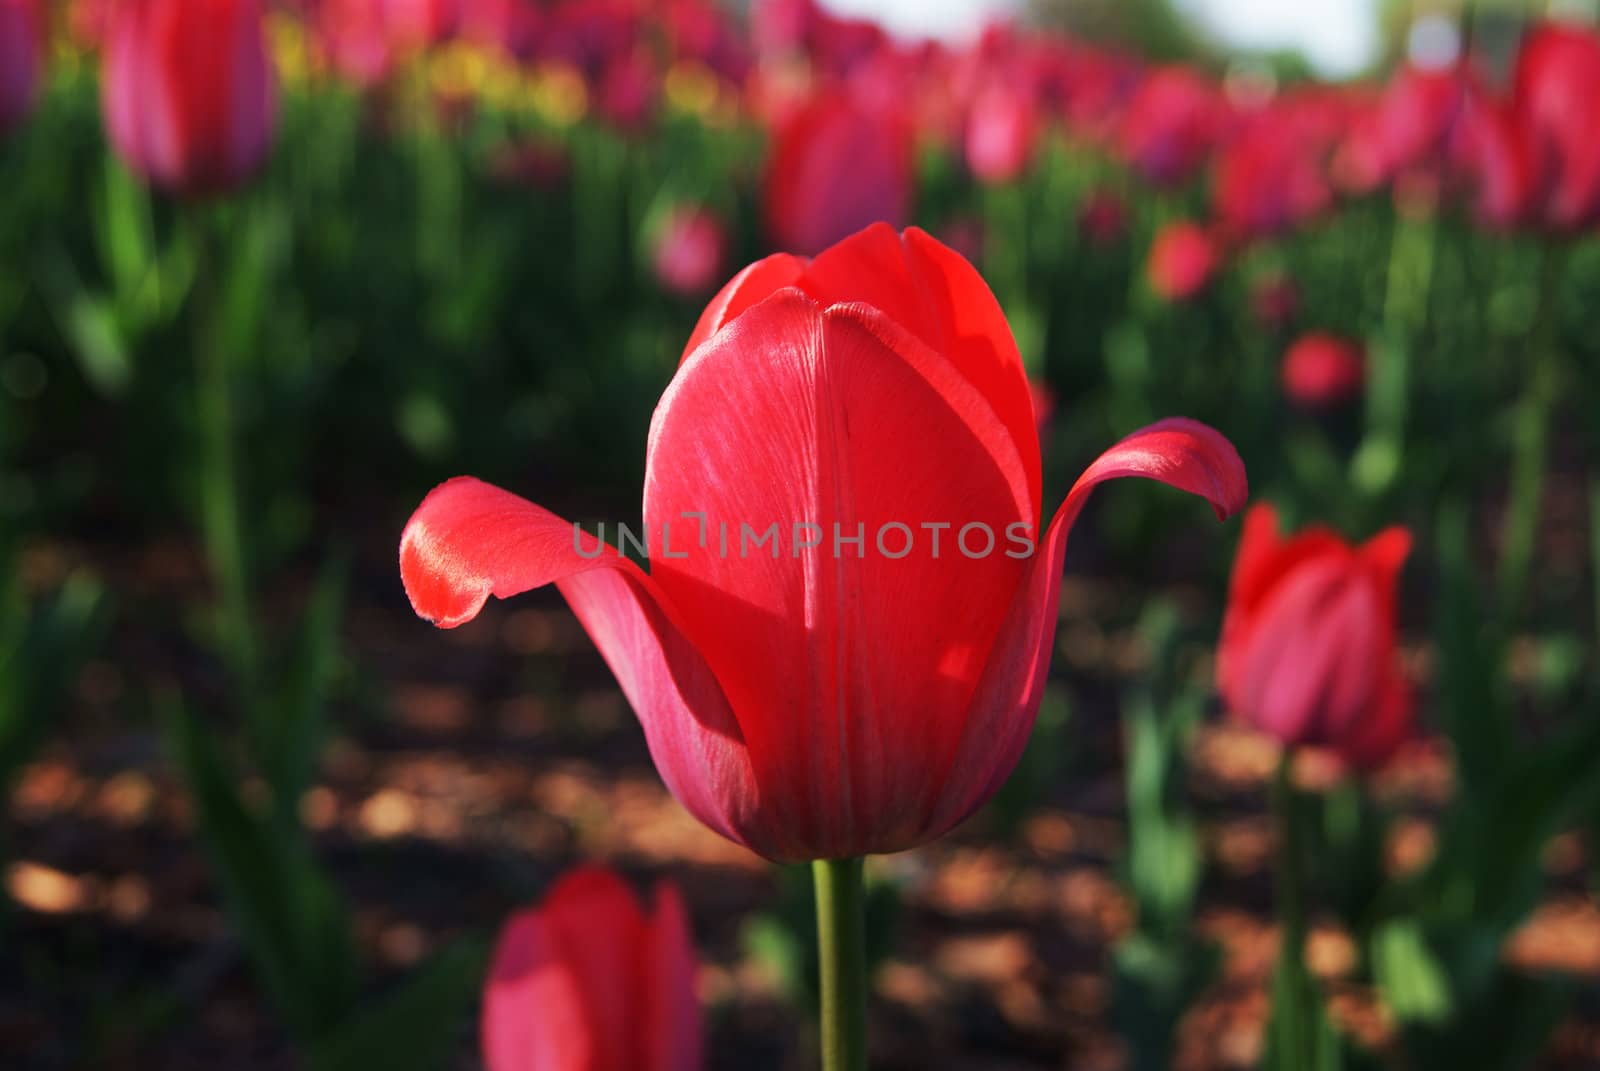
x,y
1183,260
1556,101
1308,643
589,980
1322,370
188,92
690,248
21,56
839,163
1171,124
1001,131
840,646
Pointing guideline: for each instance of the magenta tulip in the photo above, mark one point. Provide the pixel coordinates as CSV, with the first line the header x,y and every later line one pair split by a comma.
x,y
188,92
587,981
1308,644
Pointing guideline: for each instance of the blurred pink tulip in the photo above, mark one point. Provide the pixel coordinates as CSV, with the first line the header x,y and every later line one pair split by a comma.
x,y
691,249
1002,128
1308,643
838,164
1322,370
1183,259
188,92
1556,103
587,981
1171,124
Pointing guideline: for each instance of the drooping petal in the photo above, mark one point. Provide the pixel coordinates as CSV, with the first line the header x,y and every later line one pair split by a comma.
x,y
469,540
672,1032
1179,452
848,674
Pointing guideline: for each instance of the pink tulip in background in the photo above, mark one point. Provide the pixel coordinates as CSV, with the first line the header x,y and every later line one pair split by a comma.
x,y
1183,260
1308,644
588,981
691,247
1322,370
188,92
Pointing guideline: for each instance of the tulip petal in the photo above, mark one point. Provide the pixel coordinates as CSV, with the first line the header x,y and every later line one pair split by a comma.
x,y
842,420
534,1015
1182,453
672,1030
469,540
755,283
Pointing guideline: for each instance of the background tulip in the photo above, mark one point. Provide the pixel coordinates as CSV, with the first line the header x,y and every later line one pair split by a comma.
x,y
188,92
588,981
815,703
690,249
838,164
1556,98
1001,131
1182,260
1308,644
1171,123
21,56
1322,370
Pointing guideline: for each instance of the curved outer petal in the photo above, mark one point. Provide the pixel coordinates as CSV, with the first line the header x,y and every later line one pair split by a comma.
x,y
468,540
849,669
673,1039
756,282
1179,452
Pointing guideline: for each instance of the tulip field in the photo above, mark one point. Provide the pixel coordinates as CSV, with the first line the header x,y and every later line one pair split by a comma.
x,y
589,535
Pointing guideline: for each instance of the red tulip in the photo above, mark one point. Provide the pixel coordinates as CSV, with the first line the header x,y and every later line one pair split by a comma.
x,y
1183,259
509,26
1001,131
1488,157
587,982
1269,177
1308,643
1171,124
804,694
838,164
1323,370
1557,106
21,56
689,252
414,24
188,92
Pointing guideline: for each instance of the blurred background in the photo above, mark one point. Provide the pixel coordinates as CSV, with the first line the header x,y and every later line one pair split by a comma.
x,y
270,273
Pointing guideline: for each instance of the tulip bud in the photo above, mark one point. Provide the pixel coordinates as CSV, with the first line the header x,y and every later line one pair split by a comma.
x,y
1183,259
589,980
690,248
188,92
1322,370
1308,643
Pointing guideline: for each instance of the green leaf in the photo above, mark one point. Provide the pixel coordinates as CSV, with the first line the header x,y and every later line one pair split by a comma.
x,y
1413,985
291,920
417,1025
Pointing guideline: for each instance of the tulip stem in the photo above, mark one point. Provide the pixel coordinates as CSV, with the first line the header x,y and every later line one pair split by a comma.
x,y
841,942
1293,1028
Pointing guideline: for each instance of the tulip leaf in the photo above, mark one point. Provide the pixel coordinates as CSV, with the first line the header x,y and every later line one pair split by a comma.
x,y
416,1026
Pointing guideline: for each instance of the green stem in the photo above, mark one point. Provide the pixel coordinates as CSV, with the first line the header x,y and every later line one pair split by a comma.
x,y
219,494
1295,1023
841,940
1530,441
